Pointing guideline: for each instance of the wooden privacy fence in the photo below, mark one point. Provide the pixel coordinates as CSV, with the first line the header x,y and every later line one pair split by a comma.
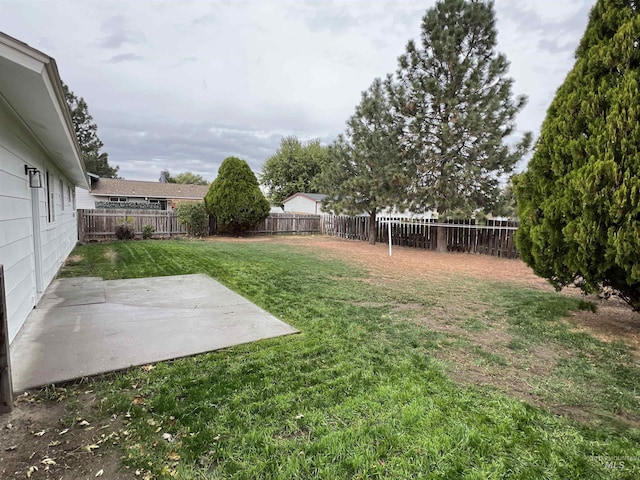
x,y
101,224
288,223
495,238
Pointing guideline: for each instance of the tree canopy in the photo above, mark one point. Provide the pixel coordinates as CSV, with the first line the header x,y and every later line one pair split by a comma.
x,y
234,197
579,199
188,178
95,161
457,108
366,172
293,168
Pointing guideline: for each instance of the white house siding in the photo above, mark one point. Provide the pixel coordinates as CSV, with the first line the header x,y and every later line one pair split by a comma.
x,y
17,243
300,204
84,199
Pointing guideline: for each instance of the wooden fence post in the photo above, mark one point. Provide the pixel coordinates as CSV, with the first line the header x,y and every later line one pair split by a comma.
x,y
81,225
6,388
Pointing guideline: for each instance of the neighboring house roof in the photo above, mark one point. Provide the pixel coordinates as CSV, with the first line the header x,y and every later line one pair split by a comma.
x,y
31,86
135,188
317,197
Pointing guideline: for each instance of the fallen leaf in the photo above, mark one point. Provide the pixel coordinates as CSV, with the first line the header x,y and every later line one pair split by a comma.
x,y
62,432
148,368
138,401
151,422
39,434
158,429
83,423
48,461
99,473
173,456
168,437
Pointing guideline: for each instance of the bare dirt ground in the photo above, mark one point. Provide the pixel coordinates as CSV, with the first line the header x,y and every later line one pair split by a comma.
x,y
50,436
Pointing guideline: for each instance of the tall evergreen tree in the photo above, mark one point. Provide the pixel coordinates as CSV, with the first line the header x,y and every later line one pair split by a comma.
x,y
366,172
458,109
293,169
579,200
234,197
95,161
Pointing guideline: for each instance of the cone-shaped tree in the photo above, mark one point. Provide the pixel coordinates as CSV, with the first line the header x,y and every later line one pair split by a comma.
x,y
366,172
579,200
458,109
234,197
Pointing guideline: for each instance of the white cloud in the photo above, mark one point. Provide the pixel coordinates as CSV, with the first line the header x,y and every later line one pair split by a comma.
x,y
182,85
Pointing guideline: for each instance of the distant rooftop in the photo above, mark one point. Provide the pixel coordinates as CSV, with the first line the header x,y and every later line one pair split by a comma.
x,y
136,188
318,197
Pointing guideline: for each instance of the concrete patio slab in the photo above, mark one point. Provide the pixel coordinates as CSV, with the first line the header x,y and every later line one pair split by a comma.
x,y
86,326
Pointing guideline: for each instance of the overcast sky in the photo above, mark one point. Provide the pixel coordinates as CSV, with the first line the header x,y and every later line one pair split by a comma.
x,y
181,85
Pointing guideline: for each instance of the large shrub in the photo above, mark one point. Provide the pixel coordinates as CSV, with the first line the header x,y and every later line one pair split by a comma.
x,y
193,216
235,199
579,200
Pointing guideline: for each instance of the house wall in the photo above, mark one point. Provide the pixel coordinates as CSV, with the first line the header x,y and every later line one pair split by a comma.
x,y
302,204
17,237
84,199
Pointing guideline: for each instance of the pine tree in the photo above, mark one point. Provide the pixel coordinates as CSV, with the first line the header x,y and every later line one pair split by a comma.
x,y
234,197
367,172
458,110
95,161
579,200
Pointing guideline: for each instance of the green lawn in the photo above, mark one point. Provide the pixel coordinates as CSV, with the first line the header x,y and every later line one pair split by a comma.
x,y
365,391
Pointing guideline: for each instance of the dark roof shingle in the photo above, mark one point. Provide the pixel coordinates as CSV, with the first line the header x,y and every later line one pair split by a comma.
x,y
135,188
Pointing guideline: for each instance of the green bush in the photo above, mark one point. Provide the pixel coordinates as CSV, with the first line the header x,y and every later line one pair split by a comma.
x,y
148,231
235,199
193,216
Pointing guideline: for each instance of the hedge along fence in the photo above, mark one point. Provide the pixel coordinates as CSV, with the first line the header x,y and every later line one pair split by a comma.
x,y
101,224
496,238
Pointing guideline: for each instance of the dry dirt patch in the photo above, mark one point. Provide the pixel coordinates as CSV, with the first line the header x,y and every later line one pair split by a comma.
x,y
111,255
43,439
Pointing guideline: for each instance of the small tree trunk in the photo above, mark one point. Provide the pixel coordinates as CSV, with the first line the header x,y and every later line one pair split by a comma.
x,y
372,227
441,239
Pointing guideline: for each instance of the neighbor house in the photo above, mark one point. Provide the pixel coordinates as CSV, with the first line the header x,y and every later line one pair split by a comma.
x,y
40,166
117,193
304,203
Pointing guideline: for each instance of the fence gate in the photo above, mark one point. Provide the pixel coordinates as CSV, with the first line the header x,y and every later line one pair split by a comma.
x,y
6,388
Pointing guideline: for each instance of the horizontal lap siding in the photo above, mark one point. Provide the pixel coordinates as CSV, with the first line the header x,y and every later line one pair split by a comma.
x,y
17,148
